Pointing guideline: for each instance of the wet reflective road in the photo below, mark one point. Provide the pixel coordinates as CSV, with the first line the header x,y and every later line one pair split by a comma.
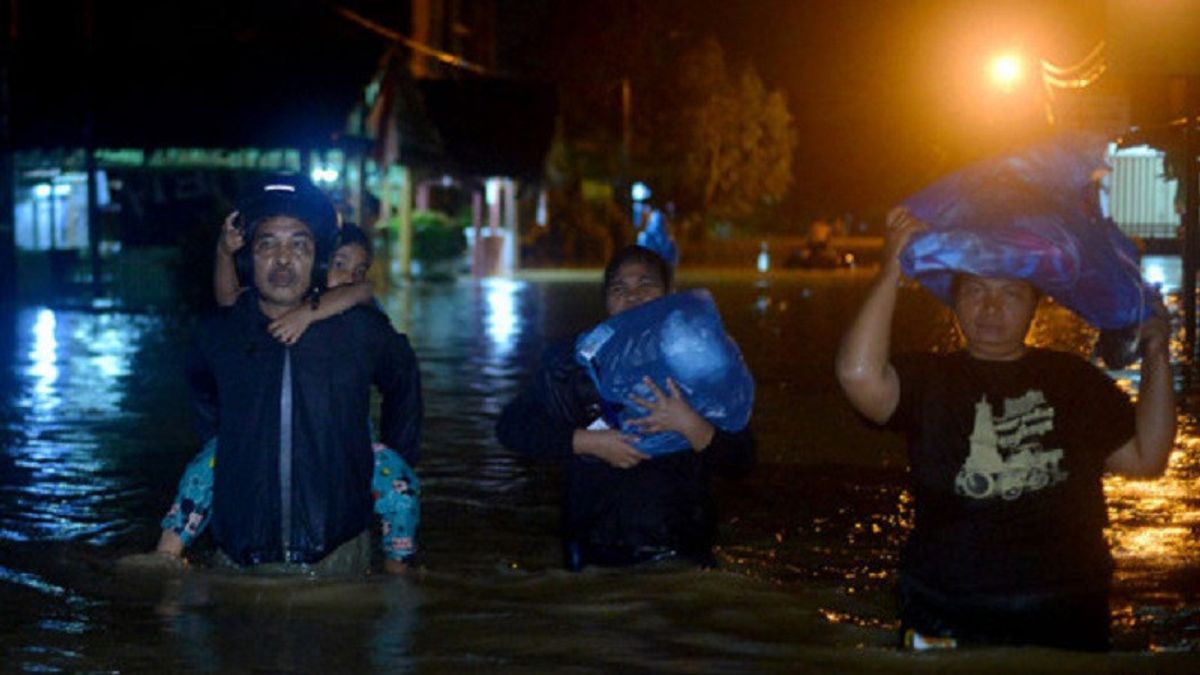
x,y
95,431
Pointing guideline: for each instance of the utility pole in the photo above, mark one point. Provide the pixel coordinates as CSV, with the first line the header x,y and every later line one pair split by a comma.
x,y
1155,43
623,197
1191,211
89,147
8,241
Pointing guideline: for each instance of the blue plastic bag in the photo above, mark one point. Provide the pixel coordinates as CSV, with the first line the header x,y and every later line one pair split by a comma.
x,y
679,336
1033,216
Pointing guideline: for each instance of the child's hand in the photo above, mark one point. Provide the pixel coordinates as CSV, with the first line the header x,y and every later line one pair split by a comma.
x,y
289,327
671,412
609,445
232,238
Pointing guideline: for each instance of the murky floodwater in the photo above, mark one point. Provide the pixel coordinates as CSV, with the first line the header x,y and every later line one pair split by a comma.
x,y
95,432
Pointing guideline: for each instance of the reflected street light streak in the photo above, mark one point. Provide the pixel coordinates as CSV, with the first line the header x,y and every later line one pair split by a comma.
x,y
502,321
43,359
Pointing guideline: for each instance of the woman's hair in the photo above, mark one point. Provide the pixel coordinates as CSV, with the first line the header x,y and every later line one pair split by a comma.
x,y
353,234
639,254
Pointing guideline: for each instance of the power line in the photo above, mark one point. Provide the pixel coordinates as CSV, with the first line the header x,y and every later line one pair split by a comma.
x,y
419,47
1079,75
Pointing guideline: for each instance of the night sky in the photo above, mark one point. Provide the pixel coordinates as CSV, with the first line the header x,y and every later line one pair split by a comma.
x,y
886,94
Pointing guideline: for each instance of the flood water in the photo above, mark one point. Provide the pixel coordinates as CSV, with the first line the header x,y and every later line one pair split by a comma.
x,y
96,432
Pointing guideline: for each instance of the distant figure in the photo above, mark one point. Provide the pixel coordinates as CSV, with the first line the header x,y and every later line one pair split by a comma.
x,y
656,236
621,506
763,262
819,235
1007,446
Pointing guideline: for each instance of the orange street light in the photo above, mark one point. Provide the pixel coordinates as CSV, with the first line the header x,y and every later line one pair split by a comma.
x,y
1007,70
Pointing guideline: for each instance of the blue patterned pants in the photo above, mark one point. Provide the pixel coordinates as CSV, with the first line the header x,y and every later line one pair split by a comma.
x,y
394,487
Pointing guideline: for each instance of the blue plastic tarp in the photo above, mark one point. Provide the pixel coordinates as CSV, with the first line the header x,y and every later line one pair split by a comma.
x,y
1035,216
679,336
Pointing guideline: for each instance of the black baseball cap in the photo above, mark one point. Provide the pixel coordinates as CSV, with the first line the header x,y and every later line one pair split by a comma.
x,y
290,195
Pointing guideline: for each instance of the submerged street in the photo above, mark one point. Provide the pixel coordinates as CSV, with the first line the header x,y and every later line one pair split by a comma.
x,y
98,430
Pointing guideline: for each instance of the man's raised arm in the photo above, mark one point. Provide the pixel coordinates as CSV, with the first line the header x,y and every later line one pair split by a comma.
x,y
863,366
1146,454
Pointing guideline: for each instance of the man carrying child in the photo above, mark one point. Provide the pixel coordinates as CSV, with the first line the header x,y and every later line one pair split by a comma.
x,y
292,486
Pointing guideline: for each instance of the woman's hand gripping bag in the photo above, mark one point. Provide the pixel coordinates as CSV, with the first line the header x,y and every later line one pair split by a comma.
x,y
679,336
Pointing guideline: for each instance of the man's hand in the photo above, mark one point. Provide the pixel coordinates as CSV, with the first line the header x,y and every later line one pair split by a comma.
x,y
671,412
1155,335
289,327
901,226
232,238
609,445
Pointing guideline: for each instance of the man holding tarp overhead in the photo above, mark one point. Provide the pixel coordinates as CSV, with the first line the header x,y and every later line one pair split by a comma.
x,y
1008,443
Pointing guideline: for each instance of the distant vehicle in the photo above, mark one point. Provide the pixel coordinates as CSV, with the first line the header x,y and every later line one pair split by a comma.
x,y
812,256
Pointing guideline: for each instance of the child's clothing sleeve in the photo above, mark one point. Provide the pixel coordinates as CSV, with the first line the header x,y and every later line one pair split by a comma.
x,y
397,494
190,512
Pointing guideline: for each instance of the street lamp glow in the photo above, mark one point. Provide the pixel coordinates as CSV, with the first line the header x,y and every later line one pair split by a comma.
x,y
1007,70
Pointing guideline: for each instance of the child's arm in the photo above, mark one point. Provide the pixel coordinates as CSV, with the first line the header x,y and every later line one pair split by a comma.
x,y
289,327
225,280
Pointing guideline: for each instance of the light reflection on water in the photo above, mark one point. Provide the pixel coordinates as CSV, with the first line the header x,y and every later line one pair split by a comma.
x,y
809,542
1156,522
503,320
76,369
1154,535
44,358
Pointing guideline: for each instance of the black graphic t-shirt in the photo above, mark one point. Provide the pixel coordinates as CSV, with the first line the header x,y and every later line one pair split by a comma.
x,y
1006,462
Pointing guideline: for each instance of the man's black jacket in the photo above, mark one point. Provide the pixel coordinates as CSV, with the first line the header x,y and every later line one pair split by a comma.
x,y
293,470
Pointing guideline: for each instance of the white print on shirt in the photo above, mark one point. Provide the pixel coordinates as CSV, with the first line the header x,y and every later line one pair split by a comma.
x,y
1007,458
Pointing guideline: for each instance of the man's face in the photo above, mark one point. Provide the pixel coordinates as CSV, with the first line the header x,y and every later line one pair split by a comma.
x,y
348,265
994,315
283,261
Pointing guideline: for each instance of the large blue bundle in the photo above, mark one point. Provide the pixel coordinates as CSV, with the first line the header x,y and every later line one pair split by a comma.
x,y
678,336
1031,216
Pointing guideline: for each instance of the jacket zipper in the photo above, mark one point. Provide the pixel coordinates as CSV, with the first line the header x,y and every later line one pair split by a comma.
x,y
285,456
